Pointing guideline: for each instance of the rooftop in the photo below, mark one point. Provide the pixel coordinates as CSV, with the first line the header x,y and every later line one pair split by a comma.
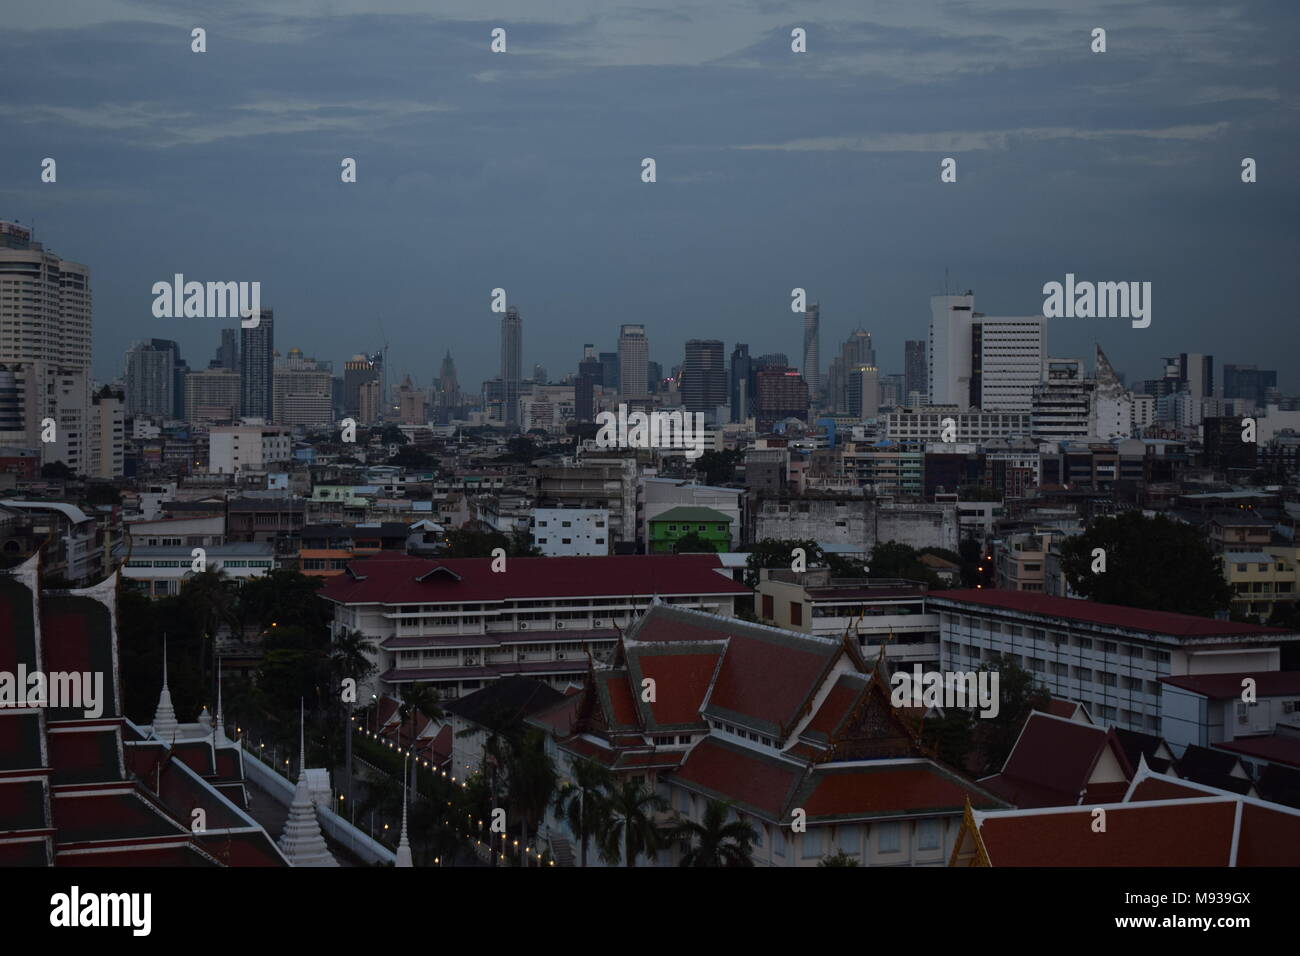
x,y
1228,686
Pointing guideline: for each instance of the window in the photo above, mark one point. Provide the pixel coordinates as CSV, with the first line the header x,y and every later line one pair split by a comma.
x,y
1107,678
778,841
812,844
796,613
927,834
887,837
566,541
1083,643
849,839
1108,647
769,610
566,524
995,627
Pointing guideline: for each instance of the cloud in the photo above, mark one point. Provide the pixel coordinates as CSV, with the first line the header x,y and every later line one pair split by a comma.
x,y
970,140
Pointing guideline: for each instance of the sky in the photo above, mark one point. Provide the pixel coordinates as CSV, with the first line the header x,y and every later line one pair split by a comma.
x,y
522,170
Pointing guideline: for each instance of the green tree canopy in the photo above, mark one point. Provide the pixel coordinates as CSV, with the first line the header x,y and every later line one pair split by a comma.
x,y
1152,563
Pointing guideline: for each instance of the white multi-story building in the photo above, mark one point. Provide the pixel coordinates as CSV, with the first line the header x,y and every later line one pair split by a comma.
x,y
570,532
1011,354
927,424
455,623
1062,404
1111,659
951,321
160,571
633,362
244,448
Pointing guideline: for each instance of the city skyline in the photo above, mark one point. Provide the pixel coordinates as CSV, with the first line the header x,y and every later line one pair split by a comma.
x,y
1142,165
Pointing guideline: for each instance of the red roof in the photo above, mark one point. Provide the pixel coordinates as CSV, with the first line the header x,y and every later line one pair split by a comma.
x,y
390,578
1109,615
1051,762
1228,686
1275,748
742,775
1137,834
685,678
887,789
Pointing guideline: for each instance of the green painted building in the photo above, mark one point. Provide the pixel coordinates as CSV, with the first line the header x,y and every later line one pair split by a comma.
x,y
713,527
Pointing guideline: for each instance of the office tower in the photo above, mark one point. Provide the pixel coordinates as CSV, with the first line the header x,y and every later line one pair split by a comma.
x,y
411,404
589,377
742,394
914,370
539,374
512,351
356,372
45,333
1249,382
303,391
368,411
609,370
447,396
1062,403
782,393
1197,371
257,367
855,352
107,434
655,376
811,348
212,396
227,352
704,376
864,391
1006,362
891,390
150,376
949,371
633,362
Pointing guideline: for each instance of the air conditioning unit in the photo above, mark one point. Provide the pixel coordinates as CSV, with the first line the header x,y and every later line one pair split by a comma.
x,y
597,622
559,655
1288,707
559,625
471,660
523,625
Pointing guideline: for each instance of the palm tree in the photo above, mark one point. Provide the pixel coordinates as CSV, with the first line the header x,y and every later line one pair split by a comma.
x,y
715,840
581,803
352,656
531,776
418,698
632,829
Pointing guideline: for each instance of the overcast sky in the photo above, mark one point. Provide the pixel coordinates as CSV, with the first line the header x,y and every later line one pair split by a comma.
x,y
523,170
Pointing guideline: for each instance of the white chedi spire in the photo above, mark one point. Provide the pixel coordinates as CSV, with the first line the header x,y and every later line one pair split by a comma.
x,y
164,716
301,842
404,845
219,725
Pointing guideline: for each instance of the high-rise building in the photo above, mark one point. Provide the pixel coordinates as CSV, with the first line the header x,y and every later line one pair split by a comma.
x,y
704,376
257,367
227,351
782,393
448,393
742,392
303,391
1197,371
356,371
609,370
512,351
584,388
1006,362
864,391
914,371
812,348
1249,382
107,434
633,362
855,352
212,396
369,409
150,377
411,404
951,318
45,342
539,374
1062,403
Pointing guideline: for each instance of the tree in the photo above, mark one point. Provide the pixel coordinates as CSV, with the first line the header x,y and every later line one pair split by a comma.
x,y
1152,563
532,781
1018,696
418,699
719,467
889,559
838,858
775,553
582,803
102,493
409,456
284,599
211,597
57,469
632,829
715,841
692,543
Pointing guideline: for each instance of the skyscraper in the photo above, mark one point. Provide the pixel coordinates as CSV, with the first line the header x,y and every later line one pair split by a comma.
x,y
448,395
257,367
356,372
704,376
228,351
951,317
633,362
589,376
914,371
782,393
742,393
45,332
512,351
150,376
855,352
812,348
1007,362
